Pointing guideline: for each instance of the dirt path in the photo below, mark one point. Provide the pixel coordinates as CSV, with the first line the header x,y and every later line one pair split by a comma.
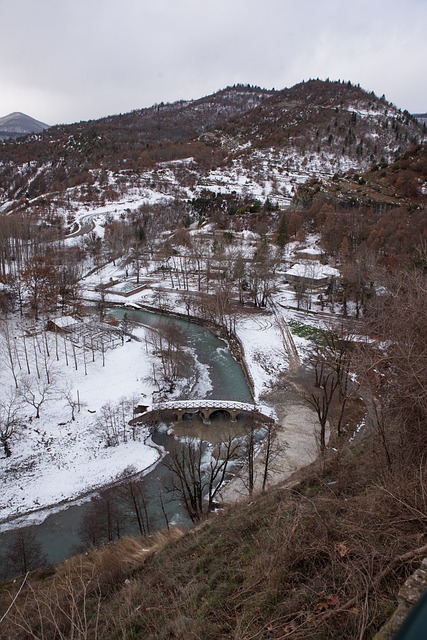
x,y
288,341
295,444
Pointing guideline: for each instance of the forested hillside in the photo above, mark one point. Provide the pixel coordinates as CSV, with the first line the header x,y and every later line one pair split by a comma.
x,y
242,135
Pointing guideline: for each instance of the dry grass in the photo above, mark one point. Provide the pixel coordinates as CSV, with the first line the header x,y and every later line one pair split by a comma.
x,y
67,603
319,561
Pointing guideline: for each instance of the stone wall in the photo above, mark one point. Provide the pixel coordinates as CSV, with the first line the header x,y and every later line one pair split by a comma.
x,y
407,597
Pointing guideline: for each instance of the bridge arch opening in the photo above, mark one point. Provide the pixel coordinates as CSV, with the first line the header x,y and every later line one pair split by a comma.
x,y
188,416
220,414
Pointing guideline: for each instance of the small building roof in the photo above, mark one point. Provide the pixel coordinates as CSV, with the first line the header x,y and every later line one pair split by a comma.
x,y
312,270
65,321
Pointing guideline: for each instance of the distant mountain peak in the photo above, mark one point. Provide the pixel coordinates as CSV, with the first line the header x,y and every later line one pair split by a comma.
x,y
18,124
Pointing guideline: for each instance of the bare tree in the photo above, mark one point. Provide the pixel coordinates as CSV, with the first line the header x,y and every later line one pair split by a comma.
x,y
125,412
394,375
270,452
101,302
9,420
24,553
321,401
239,275
73,400
103,520
113,421
198,474
198,253
126,326
132,494
40,277
258,450
250,452
331,361
35,392
137,245
167,340
261,273
108,423
9,349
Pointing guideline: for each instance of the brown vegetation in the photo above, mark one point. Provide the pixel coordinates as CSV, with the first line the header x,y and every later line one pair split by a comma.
x,y
381,212
319,560
312,118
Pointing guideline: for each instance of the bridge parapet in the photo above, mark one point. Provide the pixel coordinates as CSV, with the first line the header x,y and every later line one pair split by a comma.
x,y
206,407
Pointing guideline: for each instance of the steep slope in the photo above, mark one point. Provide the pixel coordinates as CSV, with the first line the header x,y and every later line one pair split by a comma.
x,y
379,213
402,183
319,559
323,128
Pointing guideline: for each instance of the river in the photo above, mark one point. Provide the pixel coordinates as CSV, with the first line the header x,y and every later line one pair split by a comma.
x,y
58,534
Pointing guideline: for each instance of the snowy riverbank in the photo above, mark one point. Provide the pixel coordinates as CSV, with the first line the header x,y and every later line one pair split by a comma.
x,y
56,459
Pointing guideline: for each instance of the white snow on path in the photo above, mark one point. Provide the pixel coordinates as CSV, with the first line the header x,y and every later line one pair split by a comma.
x,y
264,352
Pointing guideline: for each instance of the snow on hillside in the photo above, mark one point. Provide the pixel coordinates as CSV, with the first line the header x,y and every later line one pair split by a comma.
x,y
267,173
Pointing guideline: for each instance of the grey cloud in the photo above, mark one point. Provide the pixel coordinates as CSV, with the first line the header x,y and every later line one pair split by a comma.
x,y
72,60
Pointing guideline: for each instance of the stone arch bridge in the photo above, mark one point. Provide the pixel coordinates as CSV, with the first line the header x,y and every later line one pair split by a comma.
x,y
205,409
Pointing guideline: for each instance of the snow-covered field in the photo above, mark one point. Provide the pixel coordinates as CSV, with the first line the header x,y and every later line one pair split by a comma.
x,y
55,458
264,351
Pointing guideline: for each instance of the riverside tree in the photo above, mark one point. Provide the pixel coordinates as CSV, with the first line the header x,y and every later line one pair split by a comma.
x,y
331,364
167,342
24,553
198,473
103,521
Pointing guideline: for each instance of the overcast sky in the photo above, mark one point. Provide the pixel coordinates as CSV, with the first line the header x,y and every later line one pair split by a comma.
x,y
68,60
